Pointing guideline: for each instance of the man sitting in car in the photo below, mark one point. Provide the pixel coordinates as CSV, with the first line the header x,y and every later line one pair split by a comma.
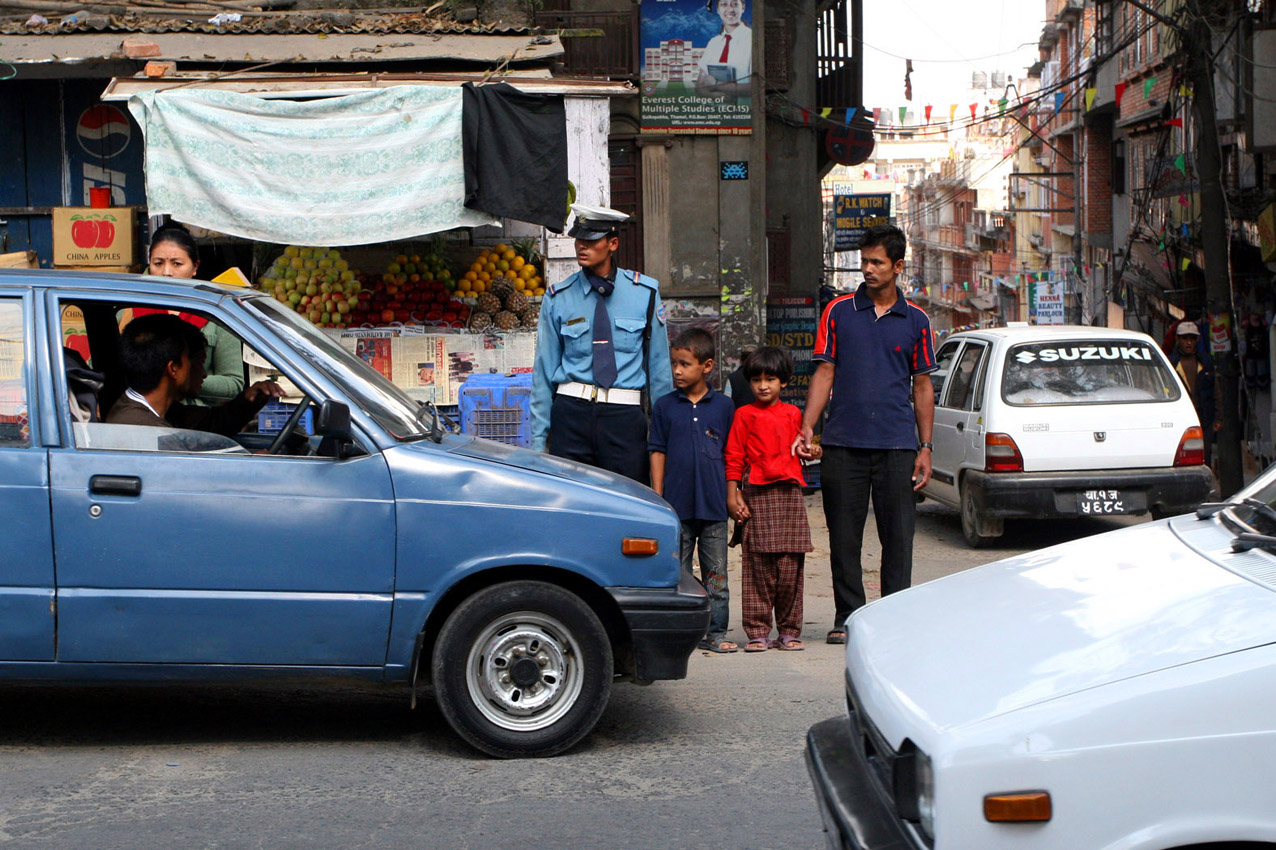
x,y
163,359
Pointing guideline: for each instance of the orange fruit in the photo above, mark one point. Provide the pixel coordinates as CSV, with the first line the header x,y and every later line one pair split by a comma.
x,y
517,263
500,248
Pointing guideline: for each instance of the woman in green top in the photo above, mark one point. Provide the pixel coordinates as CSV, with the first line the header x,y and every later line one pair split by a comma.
x,y
174,254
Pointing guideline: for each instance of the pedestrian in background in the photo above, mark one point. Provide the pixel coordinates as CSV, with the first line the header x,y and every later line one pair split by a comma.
x,y
874,349
600,344
689,428
764,494
1195,367
738,388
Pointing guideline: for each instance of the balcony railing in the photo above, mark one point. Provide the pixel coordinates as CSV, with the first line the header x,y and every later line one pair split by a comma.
x,y
596,44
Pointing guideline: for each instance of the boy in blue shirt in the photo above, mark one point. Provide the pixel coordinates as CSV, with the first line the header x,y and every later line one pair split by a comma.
x,y
687,439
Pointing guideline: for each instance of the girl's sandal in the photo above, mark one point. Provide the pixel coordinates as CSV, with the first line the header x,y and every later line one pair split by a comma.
x,y
790,644
759,645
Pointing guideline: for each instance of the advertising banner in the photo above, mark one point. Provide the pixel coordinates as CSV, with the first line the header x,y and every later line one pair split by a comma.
x,y
697,66
1047,302
853,214
790,323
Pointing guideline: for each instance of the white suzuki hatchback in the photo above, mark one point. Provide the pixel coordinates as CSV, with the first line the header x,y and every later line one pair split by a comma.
x,y
1037,422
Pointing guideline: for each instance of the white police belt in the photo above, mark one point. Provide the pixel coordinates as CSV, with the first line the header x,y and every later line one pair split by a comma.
x,y
589,392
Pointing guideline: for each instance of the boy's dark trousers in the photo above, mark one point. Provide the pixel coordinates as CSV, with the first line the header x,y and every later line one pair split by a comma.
x,y
849,478
712,537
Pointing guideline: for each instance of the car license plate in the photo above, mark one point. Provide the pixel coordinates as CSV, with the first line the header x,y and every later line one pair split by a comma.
x,y
1091,502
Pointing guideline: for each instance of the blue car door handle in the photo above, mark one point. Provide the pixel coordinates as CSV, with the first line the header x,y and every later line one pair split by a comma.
x,y
115,485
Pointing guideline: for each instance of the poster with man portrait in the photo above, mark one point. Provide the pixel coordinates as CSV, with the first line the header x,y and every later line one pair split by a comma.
x,y
697,66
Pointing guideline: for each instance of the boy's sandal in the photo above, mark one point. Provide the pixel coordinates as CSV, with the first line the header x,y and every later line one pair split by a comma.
x,y
721,646
790,643
759,645
836,636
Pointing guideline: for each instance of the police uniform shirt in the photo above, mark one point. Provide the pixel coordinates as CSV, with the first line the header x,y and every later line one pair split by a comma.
x,y
565,341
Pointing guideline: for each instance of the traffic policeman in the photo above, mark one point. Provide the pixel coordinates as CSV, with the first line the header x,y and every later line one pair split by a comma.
x,y
601,344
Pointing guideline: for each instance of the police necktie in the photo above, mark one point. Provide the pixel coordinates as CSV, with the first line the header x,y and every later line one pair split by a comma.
x,y
604,353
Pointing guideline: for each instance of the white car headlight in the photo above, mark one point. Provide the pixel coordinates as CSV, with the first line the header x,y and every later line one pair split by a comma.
x,y
925,795
913,787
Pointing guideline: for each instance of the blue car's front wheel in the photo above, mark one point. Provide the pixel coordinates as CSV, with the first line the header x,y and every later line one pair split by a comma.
x,y
522,668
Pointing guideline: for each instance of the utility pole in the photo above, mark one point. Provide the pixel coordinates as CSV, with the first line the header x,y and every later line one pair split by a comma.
x,y
1214,243
1196,39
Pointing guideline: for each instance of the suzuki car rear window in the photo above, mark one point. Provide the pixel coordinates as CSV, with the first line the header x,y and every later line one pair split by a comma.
x,y
1086,372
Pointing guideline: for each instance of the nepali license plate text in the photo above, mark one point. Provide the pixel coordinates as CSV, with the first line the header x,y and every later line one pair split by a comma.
x,y
1100,502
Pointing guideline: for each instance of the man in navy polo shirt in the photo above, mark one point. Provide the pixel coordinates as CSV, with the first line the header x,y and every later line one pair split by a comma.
x,y
874,349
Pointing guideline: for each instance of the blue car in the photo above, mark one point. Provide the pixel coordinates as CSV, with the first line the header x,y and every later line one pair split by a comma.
x,y
377,546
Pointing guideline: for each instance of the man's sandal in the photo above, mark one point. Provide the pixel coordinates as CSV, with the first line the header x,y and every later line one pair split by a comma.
x,y
722,646
836,636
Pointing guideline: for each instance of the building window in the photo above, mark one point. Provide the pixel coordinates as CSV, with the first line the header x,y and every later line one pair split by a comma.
x,y
1103,28
1118,167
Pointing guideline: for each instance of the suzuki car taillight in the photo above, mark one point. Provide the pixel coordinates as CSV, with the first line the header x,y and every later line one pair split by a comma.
x,y
1001,454
1191,448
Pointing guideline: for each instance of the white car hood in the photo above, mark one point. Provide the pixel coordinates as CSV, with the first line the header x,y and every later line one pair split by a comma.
x,y
1039,626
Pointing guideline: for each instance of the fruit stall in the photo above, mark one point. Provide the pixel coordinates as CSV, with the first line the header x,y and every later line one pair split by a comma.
x,y
427,287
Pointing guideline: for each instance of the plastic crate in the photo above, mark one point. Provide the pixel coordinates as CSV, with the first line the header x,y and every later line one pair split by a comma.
x,y
272,417
498,407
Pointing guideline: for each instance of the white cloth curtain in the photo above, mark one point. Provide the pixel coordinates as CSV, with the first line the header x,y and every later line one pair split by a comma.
x,y
375,166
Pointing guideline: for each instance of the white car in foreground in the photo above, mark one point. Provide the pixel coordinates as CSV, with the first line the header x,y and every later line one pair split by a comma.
x,y
1112,693
1056,421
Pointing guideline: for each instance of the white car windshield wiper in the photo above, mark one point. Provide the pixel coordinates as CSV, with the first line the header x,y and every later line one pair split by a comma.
x,y
1249,540
1208,509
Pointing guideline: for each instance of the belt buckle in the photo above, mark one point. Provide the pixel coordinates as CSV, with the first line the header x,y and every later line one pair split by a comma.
x,y
594,393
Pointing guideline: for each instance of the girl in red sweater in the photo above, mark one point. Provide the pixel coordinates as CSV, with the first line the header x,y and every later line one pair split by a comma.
x,y
764,494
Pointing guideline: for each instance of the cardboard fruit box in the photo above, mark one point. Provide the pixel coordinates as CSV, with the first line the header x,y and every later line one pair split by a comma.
x,y
88,236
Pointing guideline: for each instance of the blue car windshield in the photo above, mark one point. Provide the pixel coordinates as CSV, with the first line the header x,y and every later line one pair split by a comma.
x,y
370,391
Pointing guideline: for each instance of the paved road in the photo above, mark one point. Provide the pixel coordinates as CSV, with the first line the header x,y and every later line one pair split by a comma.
x,y
711,762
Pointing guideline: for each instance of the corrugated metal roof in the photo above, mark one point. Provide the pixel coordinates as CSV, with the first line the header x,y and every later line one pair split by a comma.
x,y
177,19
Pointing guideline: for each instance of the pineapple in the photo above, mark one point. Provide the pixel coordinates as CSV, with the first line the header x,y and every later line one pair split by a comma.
x,y
516,302
505,320
501,288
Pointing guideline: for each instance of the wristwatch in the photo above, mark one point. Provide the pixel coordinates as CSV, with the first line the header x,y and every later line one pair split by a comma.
x,y
930,446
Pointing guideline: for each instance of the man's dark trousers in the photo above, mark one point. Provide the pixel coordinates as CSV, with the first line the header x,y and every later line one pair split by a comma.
x,y
608,436
848,477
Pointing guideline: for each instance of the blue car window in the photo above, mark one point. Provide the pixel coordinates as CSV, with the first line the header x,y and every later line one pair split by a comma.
x,y
147,438
392,409
14,430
